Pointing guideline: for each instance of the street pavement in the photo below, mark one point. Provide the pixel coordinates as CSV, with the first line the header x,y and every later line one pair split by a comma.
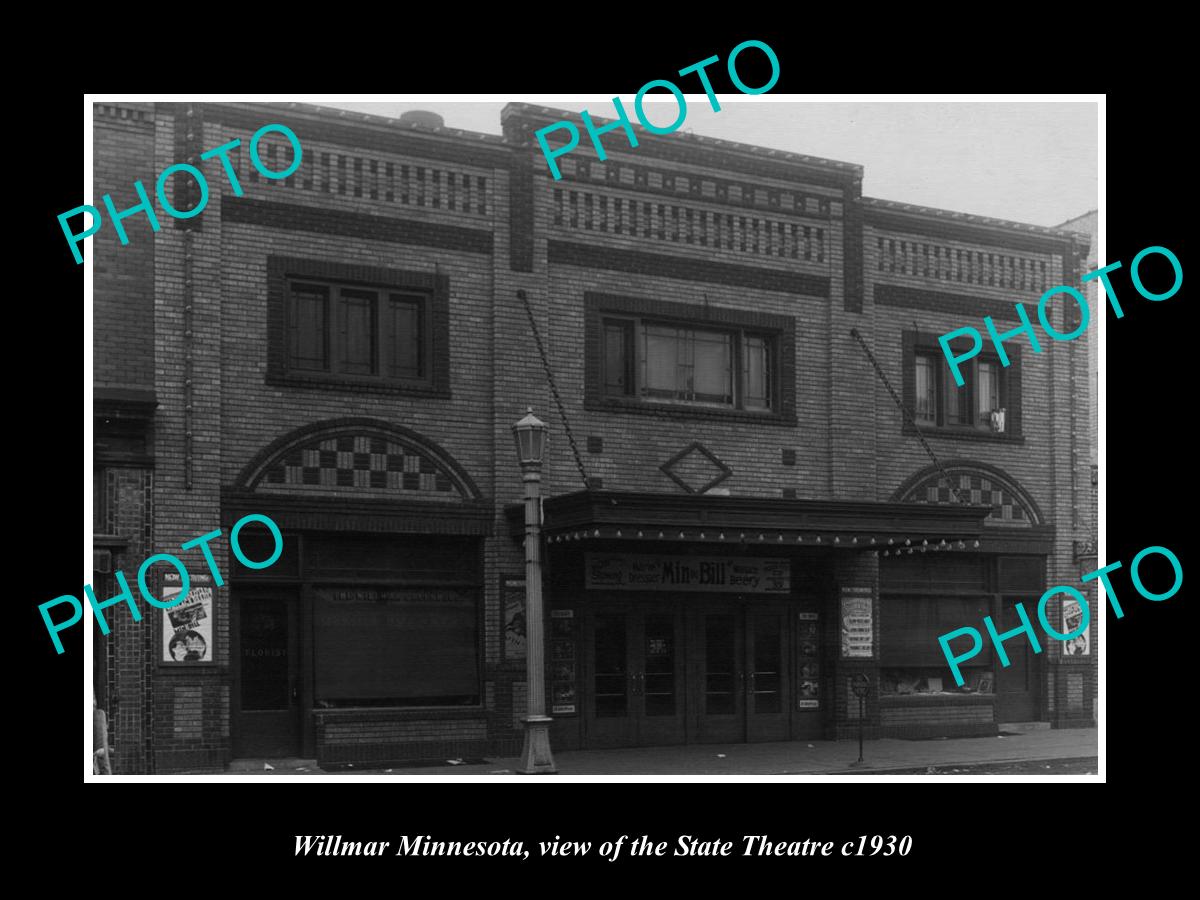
x,y
778,758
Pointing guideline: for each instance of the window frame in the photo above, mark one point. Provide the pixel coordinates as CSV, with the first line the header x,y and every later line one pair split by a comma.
x,y
634,377
918,346
429,291
606,314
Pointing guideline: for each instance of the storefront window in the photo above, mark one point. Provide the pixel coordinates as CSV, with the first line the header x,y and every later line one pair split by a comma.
x,y
935,680
912,657
395,647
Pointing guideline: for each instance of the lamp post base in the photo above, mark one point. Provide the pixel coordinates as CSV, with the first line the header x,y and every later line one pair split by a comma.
x,y
536,758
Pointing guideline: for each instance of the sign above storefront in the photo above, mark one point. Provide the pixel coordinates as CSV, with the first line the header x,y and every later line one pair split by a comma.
x,y
742,575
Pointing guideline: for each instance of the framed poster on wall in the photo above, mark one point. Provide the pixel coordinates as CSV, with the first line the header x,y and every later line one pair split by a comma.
x,y
512,614
562,662
858,622
1072,616
187,627
808,687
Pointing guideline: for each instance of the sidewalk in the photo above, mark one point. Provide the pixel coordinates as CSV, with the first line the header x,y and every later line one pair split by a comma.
x,y
781,758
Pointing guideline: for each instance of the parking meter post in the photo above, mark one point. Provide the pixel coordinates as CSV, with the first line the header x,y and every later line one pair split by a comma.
x,y
860,684
862,705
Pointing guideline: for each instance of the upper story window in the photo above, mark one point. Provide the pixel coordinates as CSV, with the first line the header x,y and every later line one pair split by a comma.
x,y
986,404
356,331
357,326
676,363
683,360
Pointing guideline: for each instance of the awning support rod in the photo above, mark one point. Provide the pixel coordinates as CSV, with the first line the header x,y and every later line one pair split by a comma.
x,y
537,337
907,415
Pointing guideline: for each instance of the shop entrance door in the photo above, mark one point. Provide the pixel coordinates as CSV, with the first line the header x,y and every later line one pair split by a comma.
x,y
740,676
1016,683
267,695
635,662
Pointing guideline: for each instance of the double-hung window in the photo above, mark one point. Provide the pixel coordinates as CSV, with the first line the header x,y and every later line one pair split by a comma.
x,y
985,403
670,362
683,360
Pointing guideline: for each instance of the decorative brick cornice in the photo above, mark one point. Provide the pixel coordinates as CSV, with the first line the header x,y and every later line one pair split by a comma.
x,y
318,220
926,220
686,268
362,131
956,304
521,120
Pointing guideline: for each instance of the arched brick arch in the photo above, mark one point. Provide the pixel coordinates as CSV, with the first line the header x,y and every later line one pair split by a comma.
x,y
359,457
977,482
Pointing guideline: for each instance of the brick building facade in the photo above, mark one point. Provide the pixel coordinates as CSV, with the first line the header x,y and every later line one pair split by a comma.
x,y
755,522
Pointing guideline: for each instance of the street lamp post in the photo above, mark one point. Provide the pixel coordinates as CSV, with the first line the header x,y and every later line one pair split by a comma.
x,y
536,758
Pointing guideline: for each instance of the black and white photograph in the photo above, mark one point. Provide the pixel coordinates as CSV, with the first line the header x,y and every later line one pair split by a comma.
x,y
513,438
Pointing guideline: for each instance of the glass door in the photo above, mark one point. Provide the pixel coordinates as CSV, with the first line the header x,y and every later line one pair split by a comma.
x,y
767,690
610,719
740,674
719,679
268,688
659,698
635,674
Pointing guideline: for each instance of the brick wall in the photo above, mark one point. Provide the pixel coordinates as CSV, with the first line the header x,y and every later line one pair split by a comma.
x,y
732,233
663,270
123,289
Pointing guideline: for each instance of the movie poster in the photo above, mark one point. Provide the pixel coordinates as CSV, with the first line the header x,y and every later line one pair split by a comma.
x,y
512,599
1072,616
187,628
857,622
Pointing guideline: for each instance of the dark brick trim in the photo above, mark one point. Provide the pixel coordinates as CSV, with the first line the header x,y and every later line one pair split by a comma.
x,y
686,312
915,223
521,122
1071,273
321,220
520,213
683,269
189,142
723,471
748,205
852,247
597,305
363,136
437,287
936,701
403,713
300,513
927,342
961,305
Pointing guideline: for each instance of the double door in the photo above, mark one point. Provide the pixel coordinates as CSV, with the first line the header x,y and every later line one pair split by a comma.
x,y
682,673
741,676
635,662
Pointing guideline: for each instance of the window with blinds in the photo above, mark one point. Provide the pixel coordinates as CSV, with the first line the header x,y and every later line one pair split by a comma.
x,y
678,363
395,646
910,627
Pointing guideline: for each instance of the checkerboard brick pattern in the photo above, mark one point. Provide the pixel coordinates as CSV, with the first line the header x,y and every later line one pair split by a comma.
x,y
976,488
360,462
